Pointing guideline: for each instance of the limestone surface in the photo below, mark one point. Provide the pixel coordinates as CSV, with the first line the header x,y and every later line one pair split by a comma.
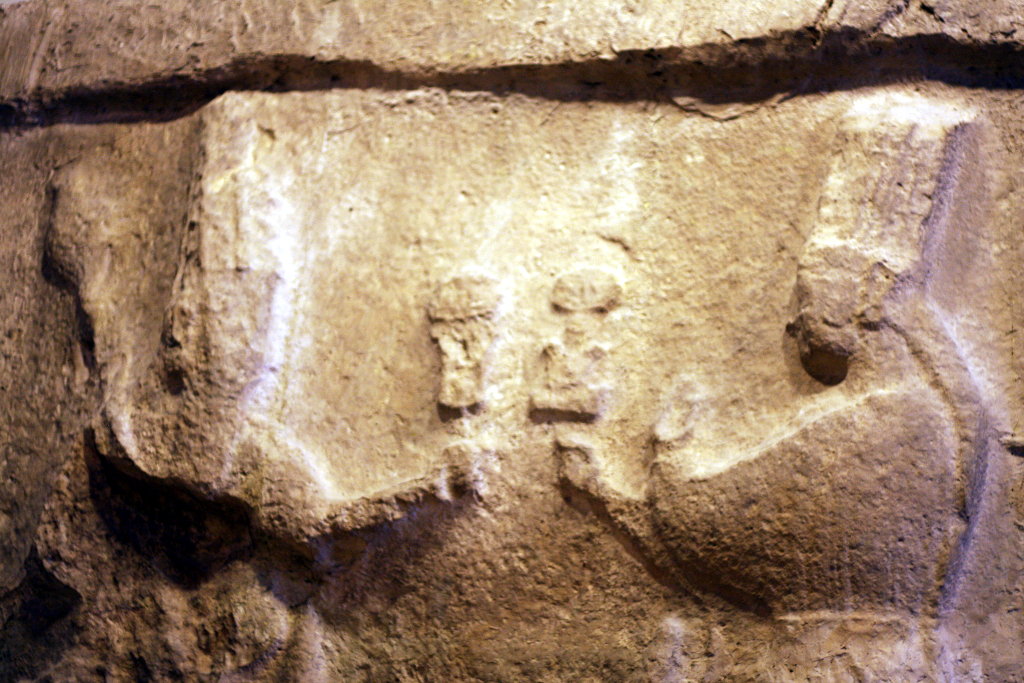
x,y
463,367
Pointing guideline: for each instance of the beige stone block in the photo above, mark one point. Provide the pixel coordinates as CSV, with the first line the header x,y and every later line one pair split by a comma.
x,y
474,387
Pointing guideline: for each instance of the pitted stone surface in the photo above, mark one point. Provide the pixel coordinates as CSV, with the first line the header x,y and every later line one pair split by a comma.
x,y
399,382
58,48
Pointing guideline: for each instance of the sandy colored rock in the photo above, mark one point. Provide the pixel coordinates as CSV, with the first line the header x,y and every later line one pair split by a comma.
x,y
181,39
56,50
395,381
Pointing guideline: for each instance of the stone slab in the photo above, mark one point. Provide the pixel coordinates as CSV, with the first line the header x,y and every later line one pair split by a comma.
x,y
54,49
362,342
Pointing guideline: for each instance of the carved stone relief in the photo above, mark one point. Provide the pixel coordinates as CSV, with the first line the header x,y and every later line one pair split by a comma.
x,y
461,325
884,470
572,387
447,383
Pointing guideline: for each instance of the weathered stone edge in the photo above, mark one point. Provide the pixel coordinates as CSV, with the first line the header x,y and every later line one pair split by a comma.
x,y
747,70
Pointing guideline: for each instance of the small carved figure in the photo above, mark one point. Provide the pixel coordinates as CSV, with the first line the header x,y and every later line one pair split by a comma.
x,y
573,386
460,313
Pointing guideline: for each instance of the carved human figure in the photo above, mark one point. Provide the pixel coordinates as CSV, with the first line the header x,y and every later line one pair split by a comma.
x,y
572,386
239,384
461,324
865,494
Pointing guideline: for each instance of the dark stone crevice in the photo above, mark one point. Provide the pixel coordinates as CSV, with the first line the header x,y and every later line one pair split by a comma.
x,y
553,415
36,622
826,365
746,71
448,414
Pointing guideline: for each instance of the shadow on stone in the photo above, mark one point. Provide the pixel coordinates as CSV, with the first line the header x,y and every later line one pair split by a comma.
x,y
34,629
186,537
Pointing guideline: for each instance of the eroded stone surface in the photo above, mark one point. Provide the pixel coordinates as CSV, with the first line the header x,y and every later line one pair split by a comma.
x,y
446,385
461,313
56,49
182,38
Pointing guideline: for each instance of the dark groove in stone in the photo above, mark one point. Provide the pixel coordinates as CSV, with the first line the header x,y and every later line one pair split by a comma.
x,y
55,273
752,70
553,415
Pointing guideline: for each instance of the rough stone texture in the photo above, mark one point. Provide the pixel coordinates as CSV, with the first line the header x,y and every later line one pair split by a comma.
x,y
464,367
107,56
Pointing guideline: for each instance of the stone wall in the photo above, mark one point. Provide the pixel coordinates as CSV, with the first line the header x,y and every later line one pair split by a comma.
x,y
458,341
